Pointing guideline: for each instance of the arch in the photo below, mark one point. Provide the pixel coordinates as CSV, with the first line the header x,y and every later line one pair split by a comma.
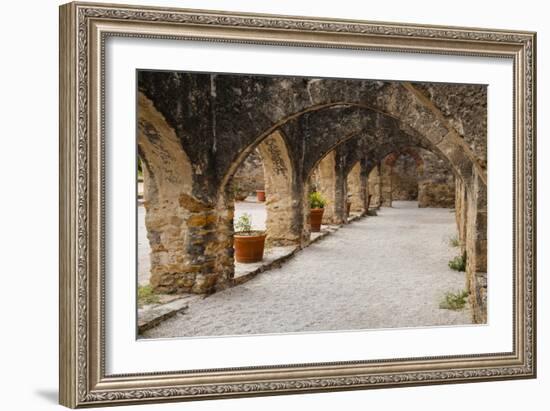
x,y
390,181
361,118
242,122
392,158
218,120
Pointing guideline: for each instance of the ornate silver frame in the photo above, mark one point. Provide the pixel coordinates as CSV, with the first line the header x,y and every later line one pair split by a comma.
x,y
83,30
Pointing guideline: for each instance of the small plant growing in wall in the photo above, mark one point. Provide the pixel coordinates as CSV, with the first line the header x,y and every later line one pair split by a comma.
x,y
458,263
248,243
454,301
317,205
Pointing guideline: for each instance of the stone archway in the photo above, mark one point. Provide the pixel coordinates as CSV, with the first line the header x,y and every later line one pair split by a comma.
x,y
176,221
203,125
391,181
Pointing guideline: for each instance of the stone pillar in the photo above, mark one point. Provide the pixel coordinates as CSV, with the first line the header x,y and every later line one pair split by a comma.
x,y
333,187
189,239
357,188
284,194
476,248
374,187
461,208
385,184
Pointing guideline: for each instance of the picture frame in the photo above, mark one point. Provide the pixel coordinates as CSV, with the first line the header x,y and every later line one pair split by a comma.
x,y
84,29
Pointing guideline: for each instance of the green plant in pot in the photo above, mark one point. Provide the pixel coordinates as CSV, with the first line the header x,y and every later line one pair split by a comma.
x,y
317,205
249,244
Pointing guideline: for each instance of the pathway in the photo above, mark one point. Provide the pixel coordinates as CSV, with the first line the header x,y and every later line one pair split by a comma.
x,y
379,272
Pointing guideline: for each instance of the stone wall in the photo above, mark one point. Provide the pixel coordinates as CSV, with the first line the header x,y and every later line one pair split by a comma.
x,y
436,185
250,175
357,188
386,188
404,181
416,174
374,187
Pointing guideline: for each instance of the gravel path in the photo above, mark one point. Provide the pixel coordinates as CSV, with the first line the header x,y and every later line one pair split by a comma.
x,y
379,272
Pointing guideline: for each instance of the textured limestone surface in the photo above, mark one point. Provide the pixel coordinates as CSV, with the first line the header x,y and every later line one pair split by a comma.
x,y
250,175
398,281
249,206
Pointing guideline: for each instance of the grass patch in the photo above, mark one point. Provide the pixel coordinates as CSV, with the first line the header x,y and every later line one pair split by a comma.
x,y
454,242
146,296
458,263
454,301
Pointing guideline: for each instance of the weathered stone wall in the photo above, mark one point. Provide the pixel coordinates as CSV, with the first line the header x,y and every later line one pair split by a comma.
x,y
220,118
405,179
187,238
357,188
436,185
333,188
461,209
374,187
386,188
283,195
476,248
417,174
250,175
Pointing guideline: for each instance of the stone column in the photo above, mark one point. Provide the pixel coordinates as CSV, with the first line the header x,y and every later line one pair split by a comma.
x,y
191,244
476,248
190,237
385,184
374,187
284,194
357,188
333,187
461,208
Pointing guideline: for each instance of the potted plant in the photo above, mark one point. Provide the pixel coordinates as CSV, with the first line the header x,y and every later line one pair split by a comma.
x,y
248,244
260,195
317,207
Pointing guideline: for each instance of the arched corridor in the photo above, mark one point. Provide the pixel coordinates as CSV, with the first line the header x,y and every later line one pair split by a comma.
x,y
322,153
399,281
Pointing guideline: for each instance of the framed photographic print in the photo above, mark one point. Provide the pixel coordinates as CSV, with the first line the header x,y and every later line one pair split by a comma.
x,y
260,204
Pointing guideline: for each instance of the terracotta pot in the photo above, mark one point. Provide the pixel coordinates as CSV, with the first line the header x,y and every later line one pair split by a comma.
x,y
348,207
315,219
249,248
260,195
